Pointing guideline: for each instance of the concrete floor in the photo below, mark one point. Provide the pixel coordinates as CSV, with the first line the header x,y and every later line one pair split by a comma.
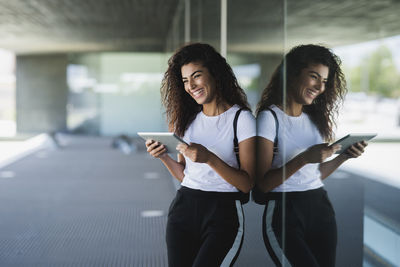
x,y
89,205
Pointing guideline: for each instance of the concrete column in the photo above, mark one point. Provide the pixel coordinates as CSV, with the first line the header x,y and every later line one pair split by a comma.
x,y
41,93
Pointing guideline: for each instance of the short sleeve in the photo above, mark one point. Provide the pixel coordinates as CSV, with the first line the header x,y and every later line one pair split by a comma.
x,y
246,127
266,125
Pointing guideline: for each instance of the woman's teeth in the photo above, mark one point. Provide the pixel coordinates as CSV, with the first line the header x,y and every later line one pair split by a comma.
x,y
312,93
198,92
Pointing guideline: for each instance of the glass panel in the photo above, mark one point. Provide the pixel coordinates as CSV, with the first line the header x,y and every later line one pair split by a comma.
x,y
255,43
176,34
206,22
365,192
7,94
201,22
110,92
255,48
372,105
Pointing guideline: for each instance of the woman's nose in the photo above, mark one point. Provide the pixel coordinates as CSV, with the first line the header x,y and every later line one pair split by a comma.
x,y
320,85
192,84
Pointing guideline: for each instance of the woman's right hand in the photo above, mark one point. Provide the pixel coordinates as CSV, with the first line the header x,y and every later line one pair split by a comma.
x,y
156,149
318,153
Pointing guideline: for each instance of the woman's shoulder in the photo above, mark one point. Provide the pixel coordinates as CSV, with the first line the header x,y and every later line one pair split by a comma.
x,y
245,113
246,125
269,112
266,125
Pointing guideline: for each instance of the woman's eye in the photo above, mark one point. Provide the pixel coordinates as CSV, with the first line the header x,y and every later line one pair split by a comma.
x,y
314,77
184,81
196,76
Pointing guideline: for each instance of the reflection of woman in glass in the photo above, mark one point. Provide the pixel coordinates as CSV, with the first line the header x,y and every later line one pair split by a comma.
x,y
202,96
299,226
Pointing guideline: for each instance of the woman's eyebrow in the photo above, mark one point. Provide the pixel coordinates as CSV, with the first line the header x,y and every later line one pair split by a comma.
x,y
196,72
316,73
191,75
311,71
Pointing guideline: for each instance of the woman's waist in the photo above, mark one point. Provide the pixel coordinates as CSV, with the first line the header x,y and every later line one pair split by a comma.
x,y
310,193
198,193
208,183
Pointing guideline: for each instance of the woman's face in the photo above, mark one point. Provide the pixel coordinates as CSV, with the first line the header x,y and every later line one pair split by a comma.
x,y
198,83
310,83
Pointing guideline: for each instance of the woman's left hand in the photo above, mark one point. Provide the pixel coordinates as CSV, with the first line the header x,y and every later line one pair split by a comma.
x,y
195,152
356,150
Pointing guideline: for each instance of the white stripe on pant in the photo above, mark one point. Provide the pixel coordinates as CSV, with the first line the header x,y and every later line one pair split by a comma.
x,y
232,254
275,249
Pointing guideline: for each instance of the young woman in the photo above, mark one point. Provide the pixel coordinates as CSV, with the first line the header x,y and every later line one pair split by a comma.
x,y
299,226
201,96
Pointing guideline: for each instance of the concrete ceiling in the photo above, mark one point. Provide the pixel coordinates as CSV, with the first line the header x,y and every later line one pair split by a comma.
x,y
263,26
39,26
254,26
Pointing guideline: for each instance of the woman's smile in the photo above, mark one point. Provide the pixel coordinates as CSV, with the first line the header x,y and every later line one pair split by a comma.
x,y
197,93
198,83
311,83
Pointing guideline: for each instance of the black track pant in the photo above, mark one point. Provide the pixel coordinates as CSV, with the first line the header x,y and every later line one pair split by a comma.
x,y
204,229
306,222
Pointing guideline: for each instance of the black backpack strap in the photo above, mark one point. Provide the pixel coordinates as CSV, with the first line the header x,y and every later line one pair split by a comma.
x,y
258,196
235,139
276,131
244,197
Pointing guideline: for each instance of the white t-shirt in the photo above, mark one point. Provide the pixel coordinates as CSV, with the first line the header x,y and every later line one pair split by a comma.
x,y
216,134
295,135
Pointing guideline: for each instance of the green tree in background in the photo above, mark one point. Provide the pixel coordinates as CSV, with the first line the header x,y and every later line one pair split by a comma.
x,y
377,74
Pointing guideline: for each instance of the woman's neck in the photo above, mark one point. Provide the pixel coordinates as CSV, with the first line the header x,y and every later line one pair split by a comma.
x,y
292,108
214,109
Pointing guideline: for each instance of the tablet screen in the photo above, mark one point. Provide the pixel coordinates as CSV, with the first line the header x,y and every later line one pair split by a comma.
x,y
169,140
351,139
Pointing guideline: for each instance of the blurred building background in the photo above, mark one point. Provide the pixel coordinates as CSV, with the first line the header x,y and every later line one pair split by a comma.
x,y
93,69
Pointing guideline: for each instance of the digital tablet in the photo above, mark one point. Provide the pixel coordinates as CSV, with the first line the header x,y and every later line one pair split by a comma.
x,y
169,140
351,139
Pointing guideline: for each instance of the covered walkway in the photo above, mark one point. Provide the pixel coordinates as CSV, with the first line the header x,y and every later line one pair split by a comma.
x,y
87,204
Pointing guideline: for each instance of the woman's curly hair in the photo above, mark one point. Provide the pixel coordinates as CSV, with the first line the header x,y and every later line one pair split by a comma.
x,y
181,108
324,108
